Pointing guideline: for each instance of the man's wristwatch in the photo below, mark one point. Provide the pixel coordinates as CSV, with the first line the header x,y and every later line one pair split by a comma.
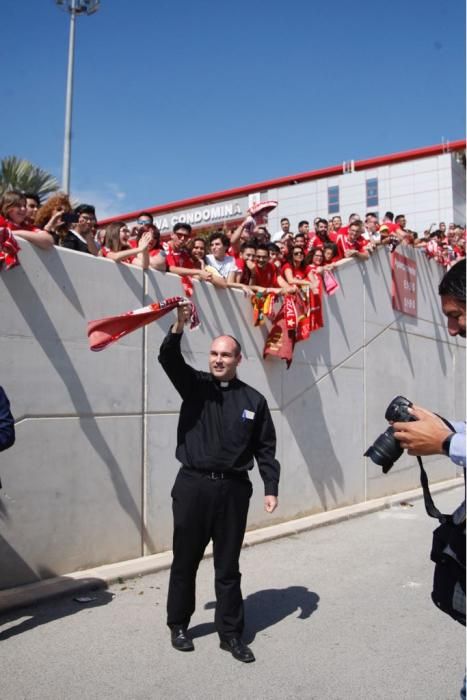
x,y
446,444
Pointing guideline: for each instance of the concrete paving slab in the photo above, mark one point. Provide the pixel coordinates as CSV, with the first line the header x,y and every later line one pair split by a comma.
x,y
341,612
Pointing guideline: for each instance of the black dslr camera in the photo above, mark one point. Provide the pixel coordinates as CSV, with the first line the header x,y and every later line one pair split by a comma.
x,y
386,449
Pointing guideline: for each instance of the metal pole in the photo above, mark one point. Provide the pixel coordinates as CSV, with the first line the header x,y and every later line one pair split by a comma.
x,y
69,101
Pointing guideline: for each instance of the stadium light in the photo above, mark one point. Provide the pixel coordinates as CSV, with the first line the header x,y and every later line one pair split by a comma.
x,y
75,8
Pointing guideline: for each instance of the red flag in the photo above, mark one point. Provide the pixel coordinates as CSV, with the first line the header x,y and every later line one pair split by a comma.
x,y
316,312
105,331
299,316
9,249
280,341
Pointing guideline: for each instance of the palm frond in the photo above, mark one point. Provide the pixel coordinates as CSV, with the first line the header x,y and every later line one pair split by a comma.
x,y
19,174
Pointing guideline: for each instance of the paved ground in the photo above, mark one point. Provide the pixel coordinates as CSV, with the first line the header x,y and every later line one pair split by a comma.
x,y
339,613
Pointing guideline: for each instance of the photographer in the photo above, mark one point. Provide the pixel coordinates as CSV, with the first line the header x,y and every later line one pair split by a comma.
x,y
429,435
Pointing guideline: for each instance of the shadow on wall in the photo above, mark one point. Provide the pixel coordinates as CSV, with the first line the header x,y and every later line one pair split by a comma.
x,y
311,434
36,316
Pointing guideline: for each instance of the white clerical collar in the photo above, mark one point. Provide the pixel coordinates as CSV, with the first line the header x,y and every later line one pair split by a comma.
x,y
224,385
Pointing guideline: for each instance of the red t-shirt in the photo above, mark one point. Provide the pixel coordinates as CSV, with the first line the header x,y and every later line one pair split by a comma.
x,y
265,276
299,272
343,243
316,242
390,227
178,258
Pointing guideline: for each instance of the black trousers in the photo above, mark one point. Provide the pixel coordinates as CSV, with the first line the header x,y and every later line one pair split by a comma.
x,y
205,509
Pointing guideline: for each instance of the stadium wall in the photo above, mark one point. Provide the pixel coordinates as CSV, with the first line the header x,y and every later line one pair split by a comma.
x,y
89,479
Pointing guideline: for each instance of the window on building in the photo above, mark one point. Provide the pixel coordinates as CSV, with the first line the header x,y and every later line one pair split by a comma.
x,y
333,199
372,192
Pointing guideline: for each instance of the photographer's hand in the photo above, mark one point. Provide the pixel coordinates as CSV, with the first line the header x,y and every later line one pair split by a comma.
x,y
422,437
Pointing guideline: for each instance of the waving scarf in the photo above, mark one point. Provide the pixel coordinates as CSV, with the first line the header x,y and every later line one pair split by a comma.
x,y
105,331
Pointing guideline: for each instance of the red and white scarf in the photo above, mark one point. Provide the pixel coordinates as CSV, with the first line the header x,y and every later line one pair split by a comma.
x,y
105,331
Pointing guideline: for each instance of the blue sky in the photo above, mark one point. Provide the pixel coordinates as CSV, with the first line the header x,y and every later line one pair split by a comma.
x,y
173,100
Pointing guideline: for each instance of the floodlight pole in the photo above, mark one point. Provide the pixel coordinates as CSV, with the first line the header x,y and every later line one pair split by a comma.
x,y
74,7
69,101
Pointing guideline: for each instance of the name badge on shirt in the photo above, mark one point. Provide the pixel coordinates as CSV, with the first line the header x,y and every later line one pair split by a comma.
x,y
247,415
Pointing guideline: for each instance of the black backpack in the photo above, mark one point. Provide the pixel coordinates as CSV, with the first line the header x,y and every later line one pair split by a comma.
x,y
448,554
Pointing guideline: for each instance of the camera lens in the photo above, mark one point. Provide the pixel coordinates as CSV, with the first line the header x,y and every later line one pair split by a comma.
x,y
385,450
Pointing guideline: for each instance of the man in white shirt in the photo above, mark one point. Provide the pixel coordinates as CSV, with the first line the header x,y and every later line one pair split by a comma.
x,y
221,263
285,228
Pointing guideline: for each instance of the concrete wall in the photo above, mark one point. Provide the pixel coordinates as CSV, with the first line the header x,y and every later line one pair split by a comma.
x,y
89,478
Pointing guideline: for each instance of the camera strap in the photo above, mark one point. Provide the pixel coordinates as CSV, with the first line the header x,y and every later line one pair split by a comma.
x,y
430,507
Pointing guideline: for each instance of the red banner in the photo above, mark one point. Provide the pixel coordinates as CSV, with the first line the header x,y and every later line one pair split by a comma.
x,y
404,284
298,317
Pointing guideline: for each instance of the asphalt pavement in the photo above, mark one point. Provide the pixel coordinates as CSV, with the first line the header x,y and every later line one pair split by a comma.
x,y
342,612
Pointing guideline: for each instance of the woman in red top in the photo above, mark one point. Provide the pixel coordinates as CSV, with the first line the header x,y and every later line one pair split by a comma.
x,y
12,215
316,262
298,273
117,248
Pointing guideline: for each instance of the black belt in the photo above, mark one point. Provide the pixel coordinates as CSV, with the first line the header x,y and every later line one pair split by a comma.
x,y
214,476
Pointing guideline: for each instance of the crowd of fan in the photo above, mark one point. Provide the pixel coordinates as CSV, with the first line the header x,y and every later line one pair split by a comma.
x,y
247,257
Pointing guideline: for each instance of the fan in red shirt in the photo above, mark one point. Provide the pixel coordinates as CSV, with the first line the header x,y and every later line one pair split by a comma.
x,y
388,221
352,244
336,225
345,229
144,223
13,213
154,247
321,236
117,247
265,276
265,272
245,263
176,256
315,261
296,272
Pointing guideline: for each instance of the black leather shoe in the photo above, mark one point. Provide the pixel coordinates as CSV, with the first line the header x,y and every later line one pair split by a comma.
x,y
180,640
238,649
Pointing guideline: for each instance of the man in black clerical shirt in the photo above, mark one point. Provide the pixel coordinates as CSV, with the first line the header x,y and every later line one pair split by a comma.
x,y
223,425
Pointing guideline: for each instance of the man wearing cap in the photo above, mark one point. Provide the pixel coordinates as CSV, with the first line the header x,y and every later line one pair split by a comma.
x,y
223,425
